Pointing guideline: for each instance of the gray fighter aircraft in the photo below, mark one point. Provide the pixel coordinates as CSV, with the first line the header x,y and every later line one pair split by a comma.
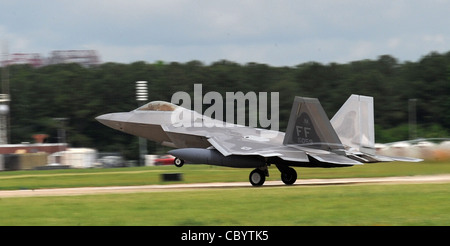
x,y
311,139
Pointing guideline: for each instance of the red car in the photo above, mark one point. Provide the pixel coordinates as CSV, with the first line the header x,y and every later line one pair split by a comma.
x,y
164,160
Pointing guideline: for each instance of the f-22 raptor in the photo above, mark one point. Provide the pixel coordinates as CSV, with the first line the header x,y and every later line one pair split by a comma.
x,y
311,139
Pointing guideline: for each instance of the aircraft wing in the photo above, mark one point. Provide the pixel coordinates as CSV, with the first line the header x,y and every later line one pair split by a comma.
x,y
254,146
291,153
239,141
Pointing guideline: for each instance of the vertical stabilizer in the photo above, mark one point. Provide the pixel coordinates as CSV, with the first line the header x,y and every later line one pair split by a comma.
x,y
354,123
309,126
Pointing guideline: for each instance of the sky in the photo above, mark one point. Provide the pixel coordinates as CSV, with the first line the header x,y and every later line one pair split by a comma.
x,y
277,33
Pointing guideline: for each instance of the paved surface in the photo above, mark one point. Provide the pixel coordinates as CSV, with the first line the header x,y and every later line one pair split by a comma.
x,y
202,186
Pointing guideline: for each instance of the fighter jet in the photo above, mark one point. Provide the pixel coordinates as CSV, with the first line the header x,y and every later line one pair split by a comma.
x,y
311,139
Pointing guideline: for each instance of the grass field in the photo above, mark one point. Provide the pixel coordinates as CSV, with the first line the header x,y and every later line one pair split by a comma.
x,y
405,204
418,204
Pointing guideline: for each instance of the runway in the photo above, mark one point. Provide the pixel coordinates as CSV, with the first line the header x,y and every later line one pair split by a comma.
x,y
202,186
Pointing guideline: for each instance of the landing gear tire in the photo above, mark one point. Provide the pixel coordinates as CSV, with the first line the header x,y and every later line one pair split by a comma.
x,y
289,176
257,177
178,162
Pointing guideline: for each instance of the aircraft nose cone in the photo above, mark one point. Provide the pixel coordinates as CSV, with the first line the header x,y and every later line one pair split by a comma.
x,y
114,120
103,118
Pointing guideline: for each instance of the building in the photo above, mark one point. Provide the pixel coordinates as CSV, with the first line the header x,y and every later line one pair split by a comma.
x,y
27,156
32,59
86,58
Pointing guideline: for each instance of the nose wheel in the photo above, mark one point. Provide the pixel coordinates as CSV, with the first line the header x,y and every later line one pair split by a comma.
x,y
178,162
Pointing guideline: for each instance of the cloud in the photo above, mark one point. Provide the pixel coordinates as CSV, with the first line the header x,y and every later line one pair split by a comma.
x,y
285,32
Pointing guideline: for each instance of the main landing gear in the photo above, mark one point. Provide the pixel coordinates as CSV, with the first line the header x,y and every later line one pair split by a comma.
x,y
289,176
258,176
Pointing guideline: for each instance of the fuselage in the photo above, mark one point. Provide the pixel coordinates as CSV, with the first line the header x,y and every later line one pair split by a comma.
x,y
180,128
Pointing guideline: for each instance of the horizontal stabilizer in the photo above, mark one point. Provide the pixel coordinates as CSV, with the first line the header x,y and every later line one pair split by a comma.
x,y
334,159
398,158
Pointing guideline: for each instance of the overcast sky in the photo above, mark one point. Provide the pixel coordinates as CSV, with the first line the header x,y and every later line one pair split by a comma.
x,y
279,33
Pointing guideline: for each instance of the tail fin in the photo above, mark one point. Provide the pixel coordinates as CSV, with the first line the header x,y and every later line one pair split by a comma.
x,y
308,124
354,123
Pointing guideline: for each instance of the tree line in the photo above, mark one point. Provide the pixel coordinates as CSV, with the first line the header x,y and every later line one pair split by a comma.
x,y
79,94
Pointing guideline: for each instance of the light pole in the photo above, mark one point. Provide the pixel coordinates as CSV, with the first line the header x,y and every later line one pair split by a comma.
x,y
141,98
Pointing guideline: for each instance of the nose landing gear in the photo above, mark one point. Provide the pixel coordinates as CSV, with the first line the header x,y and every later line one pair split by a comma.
x,y
178,162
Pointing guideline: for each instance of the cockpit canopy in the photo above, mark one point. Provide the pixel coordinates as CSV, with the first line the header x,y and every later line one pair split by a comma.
x,y
158,106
